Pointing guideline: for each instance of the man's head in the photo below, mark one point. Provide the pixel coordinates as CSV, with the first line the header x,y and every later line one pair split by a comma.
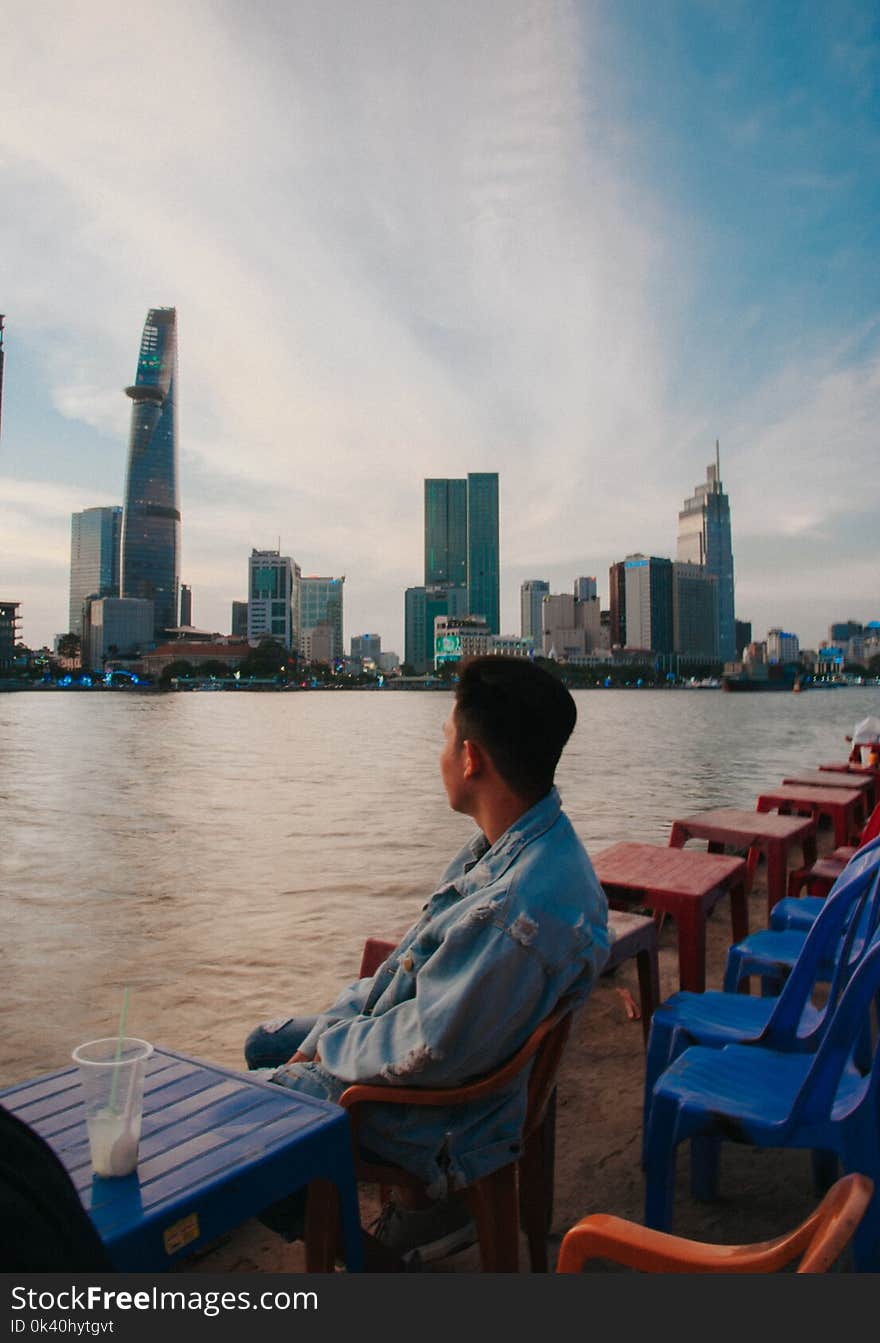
x,y
516,715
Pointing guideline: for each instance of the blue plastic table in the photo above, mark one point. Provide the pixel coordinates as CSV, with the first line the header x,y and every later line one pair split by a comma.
x,y
216,1147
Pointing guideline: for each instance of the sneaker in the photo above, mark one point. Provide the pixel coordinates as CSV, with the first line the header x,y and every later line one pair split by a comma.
x,y
420,1235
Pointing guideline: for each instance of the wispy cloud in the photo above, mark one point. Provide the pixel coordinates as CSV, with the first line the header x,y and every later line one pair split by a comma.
x,y
402,241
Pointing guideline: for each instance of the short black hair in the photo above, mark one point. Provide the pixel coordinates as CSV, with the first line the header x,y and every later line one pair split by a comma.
x,y
520,714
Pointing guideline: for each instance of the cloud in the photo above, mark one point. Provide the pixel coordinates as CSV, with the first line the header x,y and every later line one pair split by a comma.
x,y
402,241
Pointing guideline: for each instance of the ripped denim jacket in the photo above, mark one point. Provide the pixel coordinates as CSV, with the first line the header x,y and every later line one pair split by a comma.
x,y
509,931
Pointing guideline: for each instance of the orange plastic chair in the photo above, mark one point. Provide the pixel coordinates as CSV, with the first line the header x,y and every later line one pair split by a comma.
x,y
521,1187
820,1240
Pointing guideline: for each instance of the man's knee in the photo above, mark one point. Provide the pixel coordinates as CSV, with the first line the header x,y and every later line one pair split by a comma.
x,y
275,1042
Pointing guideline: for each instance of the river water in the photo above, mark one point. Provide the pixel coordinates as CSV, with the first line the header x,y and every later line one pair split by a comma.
x,y
225,855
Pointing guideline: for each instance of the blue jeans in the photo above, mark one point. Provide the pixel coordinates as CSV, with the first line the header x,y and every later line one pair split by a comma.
x,y
276,1042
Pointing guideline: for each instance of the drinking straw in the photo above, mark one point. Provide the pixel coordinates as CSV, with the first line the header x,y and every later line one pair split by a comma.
x,y
122,1016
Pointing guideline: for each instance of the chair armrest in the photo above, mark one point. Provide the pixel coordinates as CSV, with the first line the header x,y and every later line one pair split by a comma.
x,y
602,1236
360,1093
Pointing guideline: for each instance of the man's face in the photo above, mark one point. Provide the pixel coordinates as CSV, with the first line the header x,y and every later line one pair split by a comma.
x,y
452,764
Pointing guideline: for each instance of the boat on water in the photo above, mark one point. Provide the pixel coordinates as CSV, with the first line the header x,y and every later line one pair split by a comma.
x,y
749,677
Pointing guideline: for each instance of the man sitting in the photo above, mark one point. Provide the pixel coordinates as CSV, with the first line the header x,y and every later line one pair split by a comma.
x,y
518,920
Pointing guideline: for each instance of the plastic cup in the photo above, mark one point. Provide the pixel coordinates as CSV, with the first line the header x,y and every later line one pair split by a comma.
x,y
112,1076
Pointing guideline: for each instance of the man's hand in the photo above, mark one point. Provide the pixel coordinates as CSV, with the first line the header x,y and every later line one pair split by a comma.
x,y
300,1057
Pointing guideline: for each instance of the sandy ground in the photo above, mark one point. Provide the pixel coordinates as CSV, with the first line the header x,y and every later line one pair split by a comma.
x,y
599,1127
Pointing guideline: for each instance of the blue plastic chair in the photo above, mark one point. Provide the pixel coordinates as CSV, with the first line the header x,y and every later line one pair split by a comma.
x,y
820,1101
796,911
771,954
788,1022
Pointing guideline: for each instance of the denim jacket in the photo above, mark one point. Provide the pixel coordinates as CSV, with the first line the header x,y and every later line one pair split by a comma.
x,y
510,929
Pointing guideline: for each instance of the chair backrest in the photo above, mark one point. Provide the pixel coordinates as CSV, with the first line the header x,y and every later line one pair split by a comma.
x,y
871,828
840,934
552,1037
848,1028
819,1240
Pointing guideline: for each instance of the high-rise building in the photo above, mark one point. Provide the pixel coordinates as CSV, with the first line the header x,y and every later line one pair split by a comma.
x,y
694,612
843,631
239,620
446,550
585,589
704,538
743,634
569,627
531,594
367,646
95,535
649,603
186,604
321,604
272,606
782,646
151,524
483,577
115,626
8,633
617,604
421,607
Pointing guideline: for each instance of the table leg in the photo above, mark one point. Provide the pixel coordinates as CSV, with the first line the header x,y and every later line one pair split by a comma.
x,y
776,865
691,921
845,824
809,850
739,911
752,858
678,836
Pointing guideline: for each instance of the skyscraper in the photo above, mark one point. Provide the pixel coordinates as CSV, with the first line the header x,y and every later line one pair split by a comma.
x,y
531,594
483,580
94,559
186,604
617,604
321,604
446,534
649,603
704,538
151,524
273,598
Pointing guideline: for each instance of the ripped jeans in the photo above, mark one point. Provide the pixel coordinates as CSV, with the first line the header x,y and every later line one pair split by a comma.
x,y
276,1042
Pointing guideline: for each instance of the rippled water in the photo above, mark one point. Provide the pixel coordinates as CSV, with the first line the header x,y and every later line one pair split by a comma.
x,y
226,855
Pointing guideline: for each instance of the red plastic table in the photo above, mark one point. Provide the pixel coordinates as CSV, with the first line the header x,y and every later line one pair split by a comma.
x,y
859,783
842,806
684,885
756,833
851,771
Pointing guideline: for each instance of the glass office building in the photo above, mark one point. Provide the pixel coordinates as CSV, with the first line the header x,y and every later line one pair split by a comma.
x,y
531,595
151,523
321,604
95,536
483,580
446,534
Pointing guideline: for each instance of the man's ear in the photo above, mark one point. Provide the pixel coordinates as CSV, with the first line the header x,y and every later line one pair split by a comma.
x,y
474,760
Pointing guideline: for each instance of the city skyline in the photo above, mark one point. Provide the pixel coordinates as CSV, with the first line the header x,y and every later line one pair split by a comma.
x,y
575,249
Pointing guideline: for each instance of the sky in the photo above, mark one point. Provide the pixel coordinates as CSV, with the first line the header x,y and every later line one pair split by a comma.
x,y
571,241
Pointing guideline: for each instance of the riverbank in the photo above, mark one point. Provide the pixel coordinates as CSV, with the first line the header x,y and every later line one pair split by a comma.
x,y
599,1130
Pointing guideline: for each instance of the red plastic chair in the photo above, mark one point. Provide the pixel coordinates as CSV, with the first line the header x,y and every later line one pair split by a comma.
x,y
821,876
